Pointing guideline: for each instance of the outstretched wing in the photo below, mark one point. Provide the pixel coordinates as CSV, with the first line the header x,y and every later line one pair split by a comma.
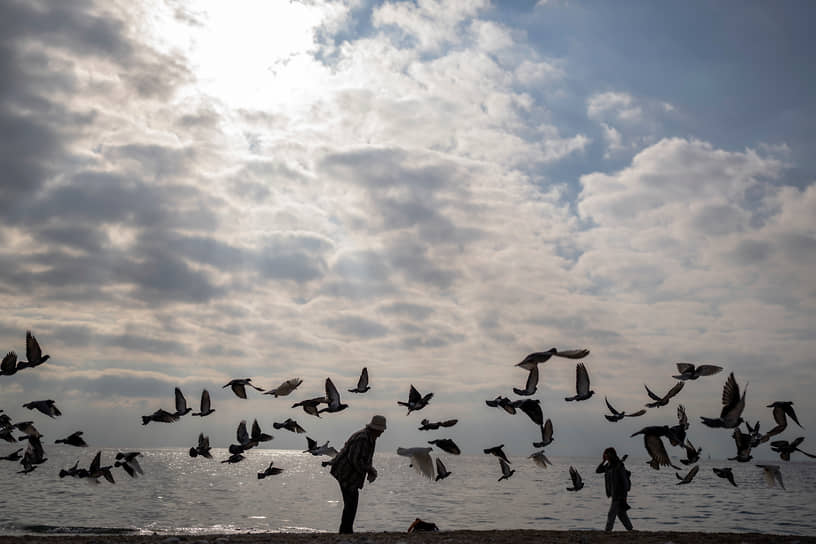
x,y
181,402
331,393
413,395
241,434
205,401
674,390
33,352
610,407
547,432
657,451
573,353
685,368
731,392
362,383
651,394
581,379
708,370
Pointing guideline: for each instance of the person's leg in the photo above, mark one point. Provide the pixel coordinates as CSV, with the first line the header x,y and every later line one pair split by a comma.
x,y
623,516
350,497
610,518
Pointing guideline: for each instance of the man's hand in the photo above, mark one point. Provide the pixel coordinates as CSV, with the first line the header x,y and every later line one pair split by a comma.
x,y
372,474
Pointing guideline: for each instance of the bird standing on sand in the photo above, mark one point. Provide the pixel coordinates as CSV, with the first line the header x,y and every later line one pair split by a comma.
x,y
415,400
583,392
726,473
285,388
420,460
206,407
733,405
506,470
362,382
74,439
441,471
689,476
664,400
239,385
577,481
772,475
690,372
46,407
617,416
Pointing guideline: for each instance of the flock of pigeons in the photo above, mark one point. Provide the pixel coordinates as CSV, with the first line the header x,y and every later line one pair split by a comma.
x,y
733,404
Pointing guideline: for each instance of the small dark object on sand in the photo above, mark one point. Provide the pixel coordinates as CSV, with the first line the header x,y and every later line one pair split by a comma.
x,y
419,526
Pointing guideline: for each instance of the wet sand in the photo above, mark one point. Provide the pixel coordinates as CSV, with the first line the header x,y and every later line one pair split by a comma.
x,y
445,537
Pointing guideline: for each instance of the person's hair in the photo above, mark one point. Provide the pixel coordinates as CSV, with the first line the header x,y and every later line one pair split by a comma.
x,y
612,454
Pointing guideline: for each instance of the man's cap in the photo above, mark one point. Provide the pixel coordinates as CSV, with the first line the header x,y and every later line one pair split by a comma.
x,y
377,423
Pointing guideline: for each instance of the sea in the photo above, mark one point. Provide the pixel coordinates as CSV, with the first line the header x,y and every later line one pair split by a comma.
x,y
181,495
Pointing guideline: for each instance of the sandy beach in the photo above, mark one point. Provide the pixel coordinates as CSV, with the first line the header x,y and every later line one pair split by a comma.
x,y
446,537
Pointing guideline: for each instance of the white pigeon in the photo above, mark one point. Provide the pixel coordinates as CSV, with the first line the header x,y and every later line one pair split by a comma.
x,y
420,460
285,388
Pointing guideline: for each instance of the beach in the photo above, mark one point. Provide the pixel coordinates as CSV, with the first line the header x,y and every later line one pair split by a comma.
x,y
444,537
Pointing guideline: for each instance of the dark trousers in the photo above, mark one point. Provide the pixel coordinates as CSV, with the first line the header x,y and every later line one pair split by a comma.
x,y
618,510
351,495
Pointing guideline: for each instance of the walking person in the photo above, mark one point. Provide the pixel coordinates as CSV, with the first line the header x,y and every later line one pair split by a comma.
x,y
616,480
352,465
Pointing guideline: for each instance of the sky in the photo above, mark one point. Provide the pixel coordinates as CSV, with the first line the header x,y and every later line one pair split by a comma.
x,y
195,191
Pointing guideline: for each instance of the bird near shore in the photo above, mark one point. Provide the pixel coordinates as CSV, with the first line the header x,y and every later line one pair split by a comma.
x,y
161,416
692,453
285,388
415,400
441,471
531,385
46,407
726,473
785,448
689,371
781,411
539,357
269,471
664,400
689,475
96,470
129,462
743,442
362,382
546,435
205,406
654,446
203,447
772,475
74,439
577,481
540,459
33,353
733,405
617,416
498,451
239,386
583,392
446,445
181,404
506,470
290,425
420,460
314,449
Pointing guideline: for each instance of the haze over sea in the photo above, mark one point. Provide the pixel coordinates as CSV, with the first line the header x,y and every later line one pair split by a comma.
x,y
181,495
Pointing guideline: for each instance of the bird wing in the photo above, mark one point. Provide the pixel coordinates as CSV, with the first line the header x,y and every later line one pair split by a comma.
x,y
610,407
685,368
581,379
331,393
533,410
205,401
674,390
656,449
505,468
780,417
731,392
413,395
448,422
573,353
241,434
33,351
310,443
638,413
532,380
256,429
203,441
440,467
547,432
651,394
692,473
681,415
95,464
181,402
420,459
9,362
788,408
238,389
362,383
708,370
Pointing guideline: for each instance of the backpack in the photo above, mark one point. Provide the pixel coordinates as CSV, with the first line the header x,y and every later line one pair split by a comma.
x,y
628,479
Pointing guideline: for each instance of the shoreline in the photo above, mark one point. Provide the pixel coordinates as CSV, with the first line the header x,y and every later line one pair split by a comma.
x,y
514,536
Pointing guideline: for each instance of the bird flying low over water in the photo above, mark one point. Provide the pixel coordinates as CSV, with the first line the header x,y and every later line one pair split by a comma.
x,y
441,471
33,353
96,470
664,400
577,481
248,440
181,404
689,476
415,400
538,357
239,385
654,446
532,383
753,432
74,439
733,405
546,435
447,445
203,447
285,388
420,460
690,372
726,473
743,442
362,382
772,475
234,458
46,407
540,459
290,425
503,403
310,405
583,392
333,397
314,449
206,407
617,416
781,411
269,471
129,462
498,451
428,426
692,453
785,448
162,416
506,470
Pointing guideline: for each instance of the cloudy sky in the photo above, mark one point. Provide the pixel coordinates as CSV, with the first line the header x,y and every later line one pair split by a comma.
x,y
194,191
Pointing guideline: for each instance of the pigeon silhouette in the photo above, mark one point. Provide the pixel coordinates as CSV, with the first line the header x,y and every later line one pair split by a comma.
x,y
239,386
689,476
8,366
743,442
733,405
314,449
538,357
33,353
498,451
181,404
692,453
583,392
285,388
310,405
362,382
781,411
290,425
503,403
540,459
446,445
203,447
532,383
531,407
206,406
577,481
441,471
772,475
428,426
420,460
654,446
785,448
415,400
546,435
617,416
506,470
726,473
74,439
690,372
664,400
333,397
161,416
269,471
46,407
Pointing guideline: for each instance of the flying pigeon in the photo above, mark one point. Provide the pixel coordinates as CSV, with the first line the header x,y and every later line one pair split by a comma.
x,y
96,470
506,471
690,372
9,364
577,481
546,435
583,392
206,408
285,388
446,444
129,462
726,473
269,471
441,471
74,439
181,404
33,353
314,449
498,451
753,432
662,401
362,382
420,460
334,399
428,426
234,458
290,425
161,416
415,400
310,405
13,456
540,459
532,383
534,359
692,454
238,386
617,416
654,446
781,411
688,477
772,475
743,442
47,407
531,407
733,405
785,448
203,447
502,402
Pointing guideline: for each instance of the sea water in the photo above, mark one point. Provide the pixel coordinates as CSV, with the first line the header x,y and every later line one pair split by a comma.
x,y
181,495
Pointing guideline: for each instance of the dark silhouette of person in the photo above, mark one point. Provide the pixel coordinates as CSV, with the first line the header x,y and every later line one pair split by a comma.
x,y
616,480
351,466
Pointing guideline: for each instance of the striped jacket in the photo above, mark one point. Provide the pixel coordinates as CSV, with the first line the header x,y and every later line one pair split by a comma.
x,y
351,465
